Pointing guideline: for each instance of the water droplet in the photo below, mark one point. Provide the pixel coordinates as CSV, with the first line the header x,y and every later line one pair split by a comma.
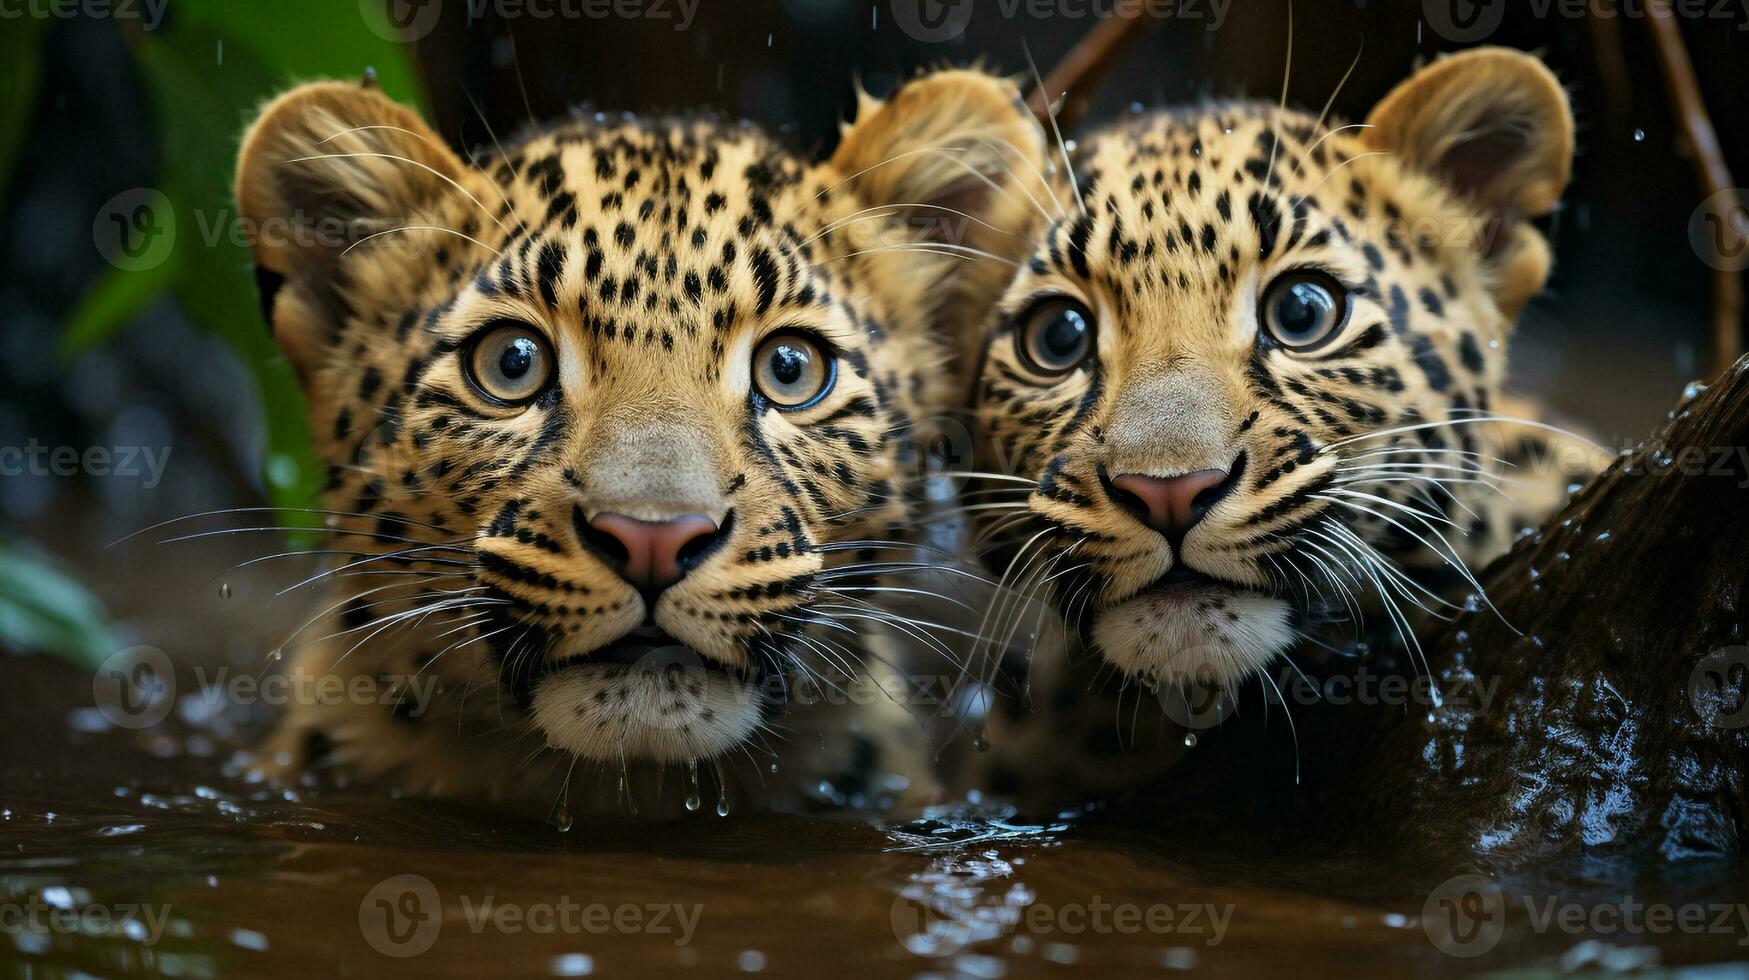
x,y
1190,740
774,767
276,655
1694,390
1639,136
1603,536
562,820
980,743
692,800
224,590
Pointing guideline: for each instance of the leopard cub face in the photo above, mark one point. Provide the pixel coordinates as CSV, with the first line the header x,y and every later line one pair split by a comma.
x,y
1243,374
604,410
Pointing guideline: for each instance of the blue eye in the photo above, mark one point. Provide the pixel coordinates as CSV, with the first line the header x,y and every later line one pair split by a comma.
x,y
1055,335
510,363
1303,310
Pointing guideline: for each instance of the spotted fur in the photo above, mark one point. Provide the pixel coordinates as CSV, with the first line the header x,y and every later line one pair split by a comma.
x,y
1353,474
653,255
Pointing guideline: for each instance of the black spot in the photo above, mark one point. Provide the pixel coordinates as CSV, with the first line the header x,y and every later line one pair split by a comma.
x,y
1431,364
1470,353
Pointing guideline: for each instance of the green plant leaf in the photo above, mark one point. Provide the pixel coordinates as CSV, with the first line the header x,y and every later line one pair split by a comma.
x,y
20,76
199,122
112,302
45,611
206,72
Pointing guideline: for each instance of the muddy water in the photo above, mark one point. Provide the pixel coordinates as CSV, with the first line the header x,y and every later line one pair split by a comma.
x,y
224,878
127,853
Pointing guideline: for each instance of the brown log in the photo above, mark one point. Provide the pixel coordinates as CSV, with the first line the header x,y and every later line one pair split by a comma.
x,y
1618,661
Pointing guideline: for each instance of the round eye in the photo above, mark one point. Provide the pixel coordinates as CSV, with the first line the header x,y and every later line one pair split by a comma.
x,y
510,363
792,371
1055,335
1302,310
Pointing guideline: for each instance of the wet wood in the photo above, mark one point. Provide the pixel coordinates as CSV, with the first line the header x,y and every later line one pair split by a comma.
x,y
1619,725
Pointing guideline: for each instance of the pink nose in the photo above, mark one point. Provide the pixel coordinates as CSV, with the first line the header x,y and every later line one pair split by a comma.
x,y
1172,504
653,555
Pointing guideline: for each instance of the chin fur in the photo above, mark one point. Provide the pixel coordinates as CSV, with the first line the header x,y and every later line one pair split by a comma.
x,y
609,712
1211,636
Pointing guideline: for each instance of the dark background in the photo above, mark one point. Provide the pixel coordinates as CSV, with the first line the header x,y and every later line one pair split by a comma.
x,y
1621,330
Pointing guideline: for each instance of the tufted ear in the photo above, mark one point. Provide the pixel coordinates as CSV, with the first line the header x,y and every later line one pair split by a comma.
x,y
958,160
1494,126
322,168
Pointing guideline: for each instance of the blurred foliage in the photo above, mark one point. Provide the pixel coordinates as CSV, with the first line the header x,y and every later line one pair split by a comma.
x,y
205,72
20,71
45,611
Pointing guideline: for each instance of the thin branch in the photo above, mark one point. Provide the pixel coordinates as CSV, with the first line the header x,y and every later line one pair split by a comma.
x,y
1715,176
1081,71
